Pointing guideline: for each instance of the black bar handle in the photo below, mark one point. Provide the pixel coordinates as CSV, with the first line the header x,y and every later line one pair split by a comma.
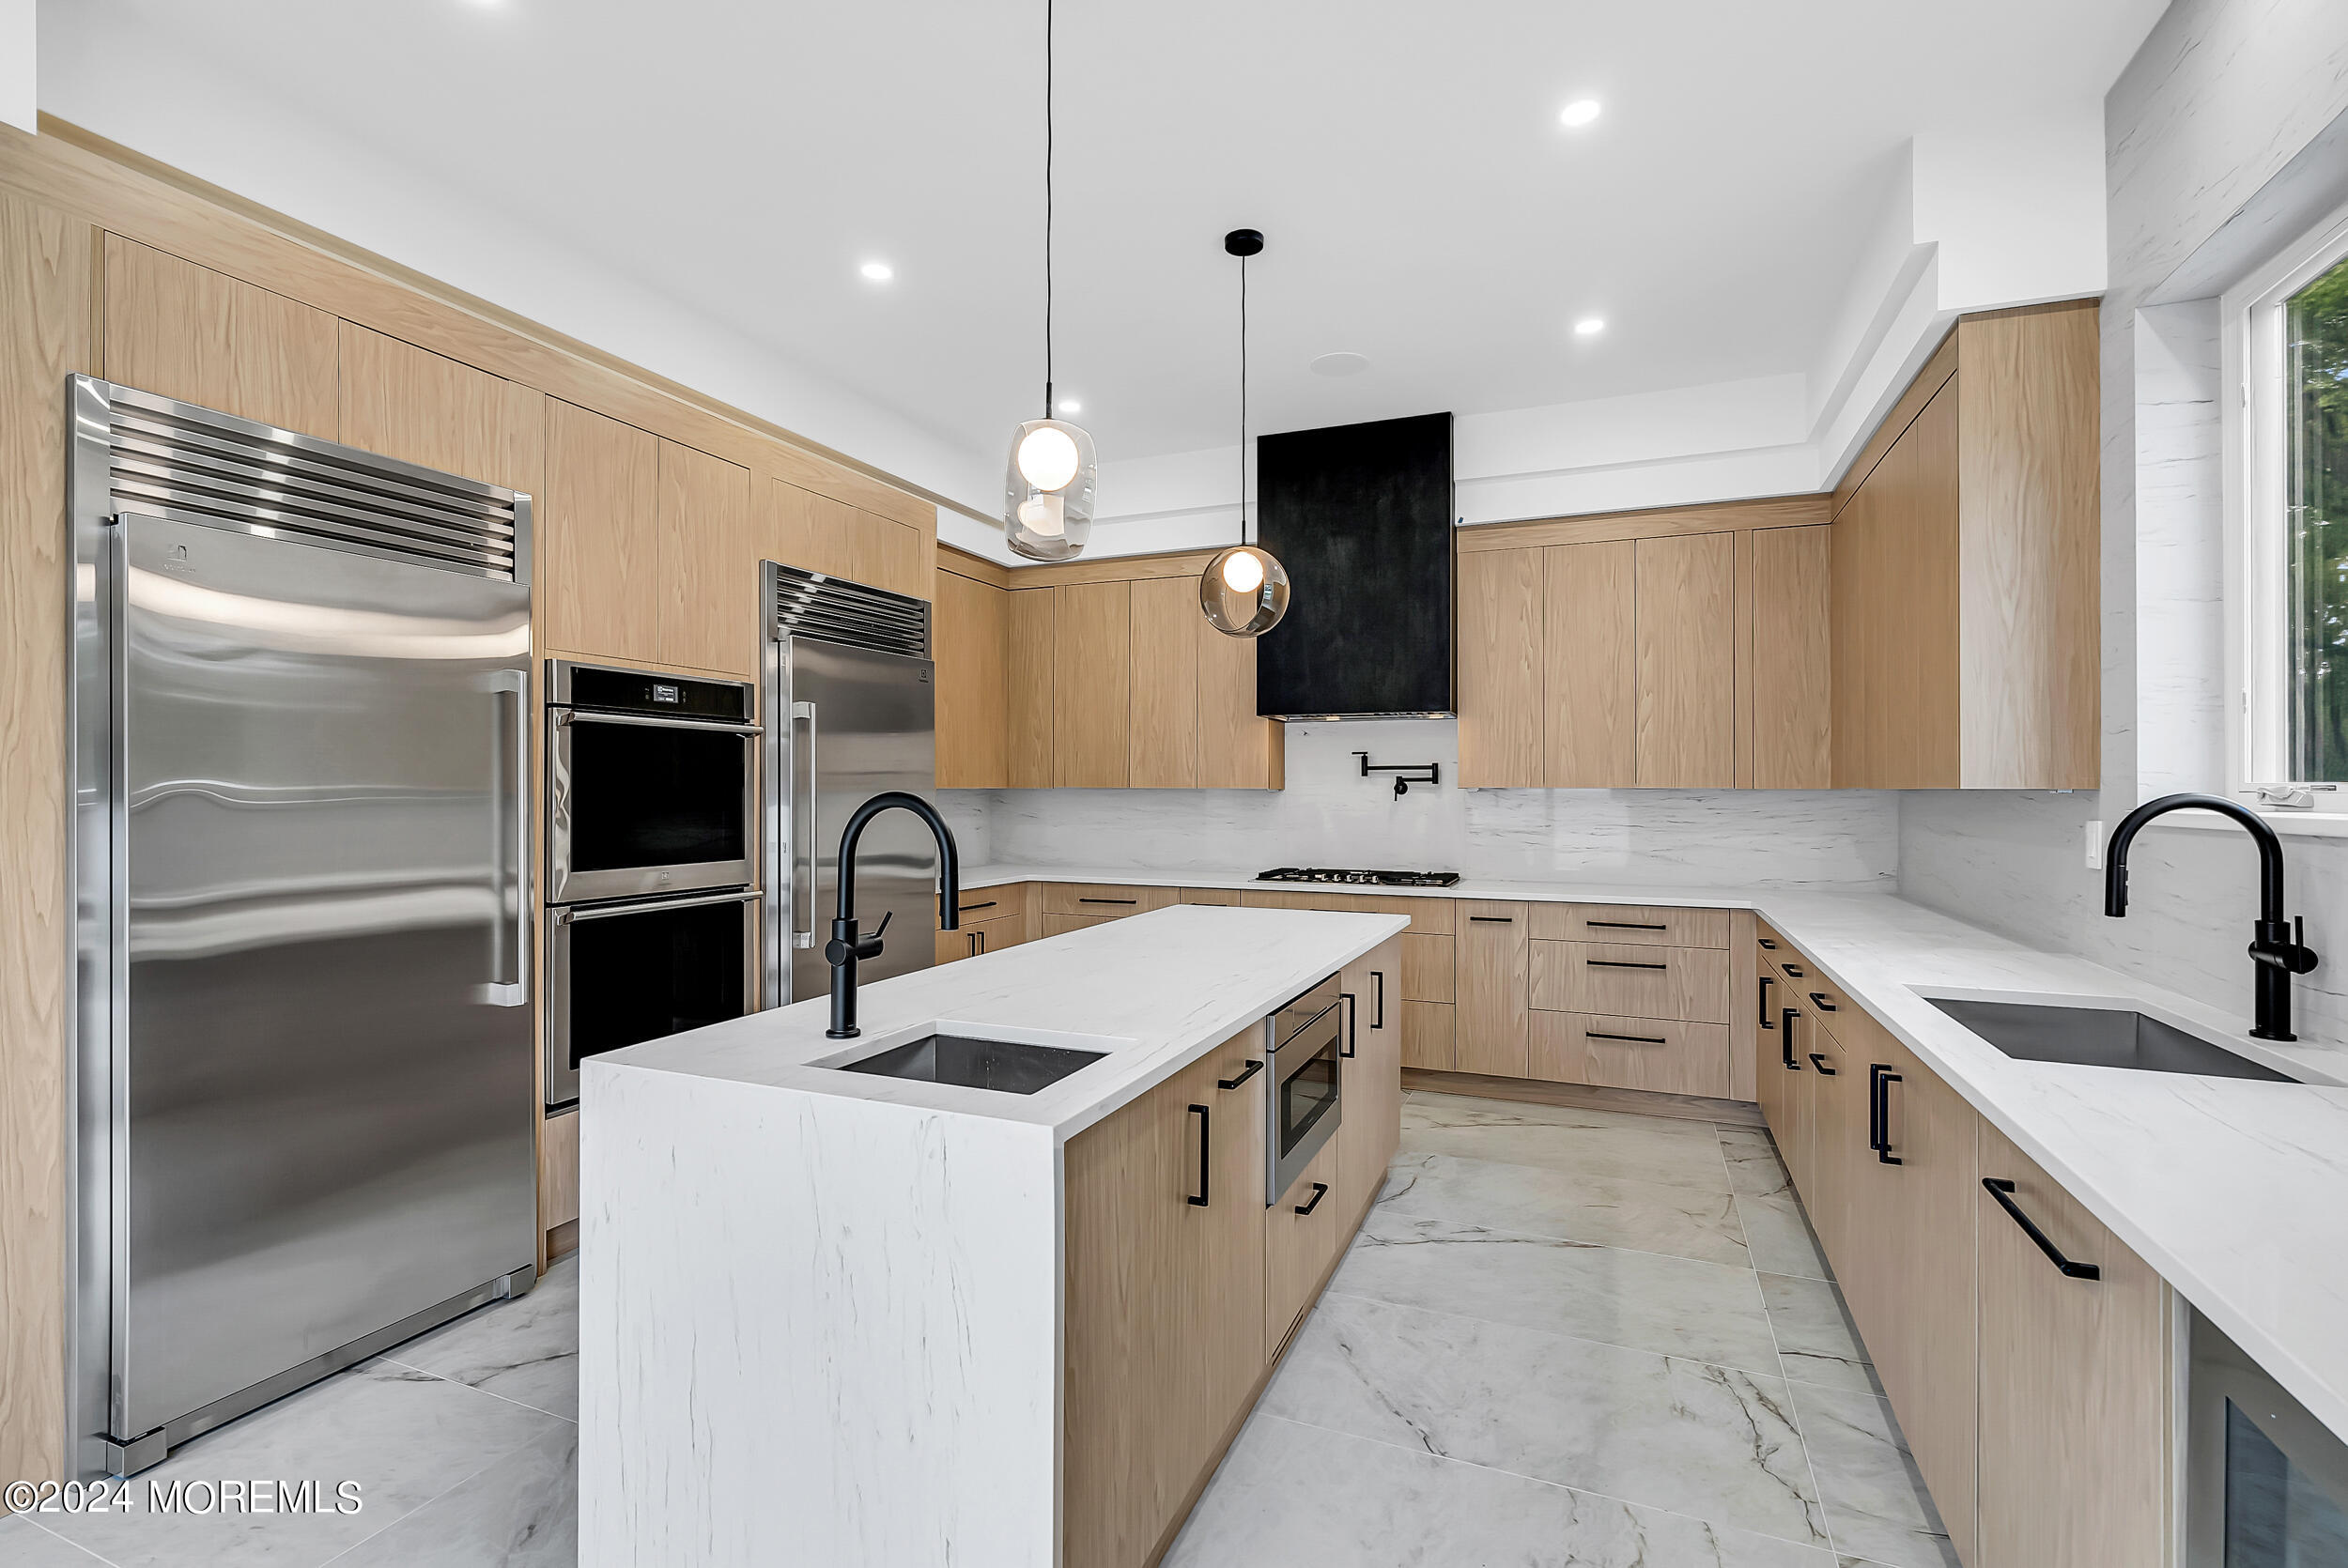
x,y
1785,1017
1998,1188
1767,981
1767,943
1201,1201
967,908
1795,969
1627,925
1642,1039
1880,1079
1245,1075
1108,901
1494,919
1621,964
1320,1191
1819,1062
1818,1000
1378,1019
1352,1023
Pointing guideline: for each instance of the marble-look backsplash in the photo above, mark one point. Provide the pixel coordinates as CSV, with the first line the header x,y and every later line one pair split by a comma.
x,y
1330,815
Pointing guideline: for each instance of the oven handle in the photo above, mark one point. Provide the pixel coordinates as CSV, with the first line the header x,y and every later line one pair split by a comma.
x,y
660,906
569,716
803,936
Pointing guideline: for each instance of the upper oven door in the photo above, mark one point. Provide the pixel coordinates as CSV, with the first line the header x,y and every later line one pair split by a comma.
x,y
640,805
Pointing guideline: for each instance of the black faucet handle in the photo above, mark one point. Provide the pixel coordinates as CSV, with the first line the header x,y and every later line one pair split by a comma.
x,y
2284,948
886,915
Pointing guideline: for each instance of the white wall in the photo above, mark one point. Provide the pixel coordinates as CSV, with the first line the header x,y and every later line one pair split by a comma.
x,y
18,66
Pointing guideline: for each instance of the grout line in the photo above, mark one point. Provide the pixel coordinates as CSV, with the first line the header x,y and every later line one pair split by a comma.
x,y
1793,1413
460,1383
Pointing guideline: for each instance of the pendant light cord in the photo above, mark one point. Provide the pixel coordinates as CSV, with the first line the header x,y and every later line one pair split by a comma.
x,y
1243,400
1050,409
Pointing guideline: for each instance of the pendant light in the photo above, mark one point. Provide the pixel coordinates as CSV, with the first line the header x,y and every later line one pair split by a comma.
x,y
1048,484
1244,590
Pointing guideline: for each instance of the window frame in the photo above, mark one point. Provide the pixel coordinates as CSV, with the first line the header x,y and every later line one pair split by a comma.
x,y
2256,456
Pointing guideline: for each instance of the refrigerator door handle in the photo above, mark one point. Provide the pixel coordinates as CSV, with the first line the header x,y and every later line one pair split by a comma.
x,y
803,844
510,694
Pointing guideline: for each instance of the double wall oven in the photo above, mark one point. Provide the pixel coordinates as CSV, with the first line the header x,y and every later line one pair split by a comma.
x,y
652,802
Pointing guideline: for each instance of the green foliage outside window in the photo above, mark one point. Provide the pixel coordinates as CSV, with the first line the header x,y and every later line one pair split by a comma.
x,y
2316,551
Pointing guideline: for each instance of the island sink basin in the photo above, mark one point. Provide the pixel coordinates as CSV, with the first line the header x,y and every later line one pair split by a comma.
x,y
1006,1067
2098,1038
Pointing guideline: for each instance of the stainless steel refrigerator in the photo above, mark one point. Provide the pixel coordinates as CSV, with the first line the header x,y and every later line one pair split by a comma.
x,y
303,1010
851,710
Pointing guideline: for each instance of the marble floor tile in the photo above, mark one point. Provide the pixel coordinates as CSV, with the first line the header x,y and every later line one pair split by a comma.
x,y
1778,1233
1753,1165
1703,1440
1814,1336
25,1544
404,1436
1288,1495
1707,1312
525,1349
1651,1216
1606,1145
523,1511
1876,1507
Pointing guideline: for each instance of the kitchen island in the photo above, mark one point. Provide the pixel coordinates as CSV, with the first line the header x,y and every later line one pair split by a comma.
x,y
835,1316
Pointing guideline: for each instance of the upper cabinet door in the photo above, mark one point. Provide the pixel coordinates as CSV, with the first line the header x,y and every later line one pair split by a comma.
x,y
599,536
182,330
1792,704
411,404
708,556
970,639
1094,670
1687,605
1589,723
1162,740
1032,699
1237,748
1501,662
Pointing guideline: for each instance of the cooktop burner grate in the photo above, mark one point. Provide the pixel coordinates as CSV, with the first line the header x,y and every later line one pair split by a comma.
x,y
1364,879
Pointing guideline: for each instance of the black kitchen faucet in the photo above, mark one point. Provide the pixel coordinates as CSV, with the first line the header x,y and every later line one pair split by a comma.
x,y
845,947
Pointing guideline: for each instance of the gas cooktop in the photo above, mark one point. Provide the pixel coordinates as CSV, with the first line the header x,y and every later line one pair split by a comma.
x,y
1370,879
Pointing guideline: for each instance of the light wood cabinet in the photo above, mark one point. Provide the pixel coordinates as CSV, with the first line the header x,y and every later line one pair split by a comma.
x,y
599,542
1791,702
970,643
1300,1238
1429,1037
1590,664
1687,667
1060,924
1626,981
1031,657
407,403
1494,983
974,937
1427,975
708,563
1101,899
822,534
1237,748
1965,568
1501,665
1660,1056
1637,925
1091,709
1219,897
1373,1074
181,331
1161,735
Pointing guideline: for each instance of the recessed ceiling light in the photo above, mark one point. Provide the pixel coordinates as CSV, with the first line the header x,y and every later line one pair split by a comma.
x,y
1582,111
879,271
1341,363
1589,325
1070,406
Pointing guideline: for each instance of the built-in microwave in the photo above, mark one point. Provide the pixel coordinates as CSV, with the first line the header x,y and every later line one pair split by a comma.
x,y
1304,1099
621,974
651,783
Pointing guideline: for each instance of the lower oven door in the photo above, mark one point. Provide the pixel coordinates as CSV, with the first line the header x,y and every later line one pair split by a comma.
x,y
1302,1102
622,974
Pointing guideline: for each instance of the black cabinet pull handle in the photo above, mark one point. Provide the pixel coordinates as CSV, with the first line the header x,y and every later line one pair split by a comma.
x,y
1819,1062
1767,943
1767,981
1642,1039
1108,901
967,908
1494,919
1818,1000
1998,1188
1627,925
1320,1191
1795,969
1378,1019
1621,964
1245,1075
1352,1023
1785,1017
1879,1080
1201,1200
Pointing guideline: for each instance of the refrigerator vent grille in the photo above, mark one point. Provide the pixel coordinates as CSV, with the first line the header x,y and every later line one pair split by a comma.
x,y
169,459
810,604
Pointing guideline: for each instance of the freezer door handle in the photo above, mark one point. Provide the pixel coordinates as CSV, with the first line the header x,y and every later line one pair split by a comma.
x,y
803,844
510,696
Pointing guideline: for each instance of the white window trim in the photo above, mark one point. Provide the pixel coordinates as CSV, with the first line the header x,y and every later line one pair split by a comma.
x,y
2255,483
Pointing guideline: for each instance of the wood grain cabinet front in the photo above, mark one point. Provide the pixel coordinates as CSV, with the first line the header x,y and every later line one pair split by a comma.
x,y
1631,981
599,546
1493,1019
1660,1056
181,331
1372,999
1105,900
970,642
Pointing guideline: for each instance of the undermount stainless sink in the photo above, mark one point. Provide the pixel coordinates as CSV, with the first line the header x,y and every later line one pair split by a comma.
x,y
2098,1038
1006,1067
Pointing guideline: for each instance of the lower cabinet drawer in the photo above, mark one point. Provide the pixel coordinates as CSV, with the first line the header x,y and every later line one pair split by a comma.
x,y
1625,981
981,936
1427,1040
1091,897
1631,923
1671,1056
1298,1248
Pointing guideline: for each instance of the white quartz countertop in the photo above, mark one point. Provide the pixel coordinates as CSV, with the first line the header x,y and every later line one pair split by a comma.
x,y
2235,1190
1155,993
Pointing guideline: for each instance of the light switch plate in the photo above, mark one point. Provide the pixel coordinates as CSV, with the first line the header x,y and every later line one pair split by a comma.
x,y
2094,846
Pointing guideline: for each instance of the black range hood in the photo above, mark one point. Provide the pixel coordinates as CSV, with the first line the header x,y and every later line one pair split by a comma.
x,y
1361,515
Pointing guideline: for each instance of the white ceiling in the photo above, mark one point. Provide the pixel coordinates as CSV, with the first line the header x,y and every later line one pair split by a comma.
x,y
1423,206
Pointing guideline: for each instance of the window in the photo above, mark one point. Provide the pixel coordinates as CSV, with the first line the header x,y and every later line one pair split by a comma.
x,y
2289,608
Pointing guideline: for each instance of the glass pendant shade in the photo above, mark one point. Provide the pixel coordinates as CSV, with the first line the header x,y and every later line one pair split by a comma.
x,y
1244,592
1047,490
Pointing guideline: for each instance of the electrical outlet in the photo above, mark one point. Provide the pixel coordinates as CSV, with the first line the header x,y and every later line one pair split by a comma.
x,y
2094,846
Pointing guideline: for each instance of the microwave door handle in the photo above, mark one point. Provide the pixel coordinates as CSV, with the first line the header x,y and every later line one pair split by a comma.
x,y
509,751
569,716
803,844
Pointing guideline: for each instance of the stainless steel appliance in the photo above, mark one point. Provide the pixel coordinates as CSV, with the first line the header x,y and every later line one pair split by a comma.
x,y
2266,1484
851,712
303,1106
620,973
1359,879
651,782
1304,1099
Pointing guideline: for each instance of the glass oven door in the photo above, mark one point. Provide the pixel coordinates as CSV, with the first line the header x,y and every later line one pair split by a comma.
x,y
1304,1103
622,974
639,806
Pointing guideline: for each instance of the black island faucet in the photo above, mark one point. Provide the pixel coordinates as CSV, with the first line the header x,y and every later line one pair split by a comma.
x,y
845,947
2277,947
